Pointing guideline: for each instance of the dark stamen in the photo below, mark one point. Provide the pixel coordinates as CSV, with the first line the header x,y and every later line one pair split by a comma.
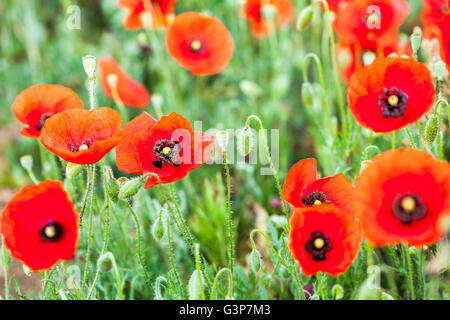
x,y
44,118
84,145
409,207
311,199
318,245
51,232
393,102
166,152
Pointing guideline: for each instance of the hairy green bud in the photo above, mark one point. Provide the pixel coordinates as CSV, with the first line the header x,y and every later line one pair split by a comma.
x,y
304,18
105,262
337,291
130,188
158,229
431,129
73,170
255,261
307,94
27,162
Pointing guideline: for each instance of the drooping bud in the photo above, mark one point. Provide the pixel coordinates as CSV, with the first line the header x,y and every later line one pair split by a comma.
x,y
337,291
304,18
130,188
158,228
250,89
307,94
122,180
431,130
439,69
73,169
89,65
222,138
27,162
255,261
245,141
105,262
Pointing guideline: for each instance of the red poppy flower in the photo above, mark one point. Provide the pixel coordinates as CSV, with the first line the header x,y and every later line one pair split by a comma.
x,y
35,105
403,196
168,147
40,225
371,23
302,188
324,238
259,26
436,21
130,92
390,93
82,136
199,43
333,4
160,13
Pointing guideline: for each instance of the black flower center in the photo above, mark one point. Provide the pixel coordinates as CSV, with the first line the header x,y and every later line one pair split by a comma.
x,y
42,120
393,102
166,152
196,45
408,207
81,146
51,232
314,198
318,245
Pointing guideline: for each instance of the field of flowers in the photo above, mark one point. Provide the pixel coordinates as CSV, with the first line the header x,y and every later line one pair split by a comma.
x,y
235,149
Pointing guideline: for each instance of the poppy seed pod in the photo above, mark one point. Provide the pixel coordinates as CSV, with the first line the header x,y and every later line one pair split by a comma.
x,y
304,18
416,40
439,69
255,261
431,130
27,162
73,170
130,188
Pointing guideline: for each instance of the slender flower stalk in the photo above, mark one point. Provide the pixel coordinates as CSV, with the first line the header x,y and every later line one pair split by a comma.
x,y
229,216
230,283
91,214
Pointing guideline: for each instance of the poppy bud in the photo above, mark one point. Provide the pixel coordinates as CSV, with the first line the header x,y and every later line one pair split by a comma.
x,y
337,291
158,228
284,273
122,180
268,12
130,188
439,69
307,94
89,65
304,18
113,190
194,287
255,261
73,169
386,296
222,138
416,39
250,89
314,297
431,130
245,141
27,162
105,262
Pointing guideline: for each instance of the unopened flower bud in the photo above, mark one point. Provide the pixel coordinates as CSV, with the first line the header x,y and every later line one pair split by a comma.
x,y
307,94
416,39
122,180
27,162
255,261
158,229
245,141
194,288
304,18
284,273
73,169
105,262
89,65
337,291
113,190
431,130
439,69
130,188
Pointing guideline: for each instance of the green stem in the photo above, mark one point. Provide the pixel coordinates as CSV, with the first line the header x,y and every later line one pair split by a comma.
x,y
180,216
91,214
197,265
230,283
171,260
410,138
138,244
393,140
320,280
86,195
411,280
229,216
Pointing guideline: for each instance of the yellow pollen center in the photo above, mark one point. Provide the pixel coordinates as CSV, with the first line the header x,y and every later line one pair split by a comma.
x,y
166,150
319,243
83,147
317,202
50,232
196,45
408,204
393,100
